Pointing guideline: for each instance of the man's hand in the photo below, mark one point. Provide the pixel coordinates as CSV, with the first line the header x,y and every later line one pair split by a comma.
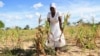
x,y
59,40
48,41
61,29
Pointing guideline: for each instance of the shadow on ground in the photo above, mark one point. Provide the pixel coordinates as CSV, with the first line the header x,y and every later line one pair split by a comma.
x,y
28,52
21,52
17,52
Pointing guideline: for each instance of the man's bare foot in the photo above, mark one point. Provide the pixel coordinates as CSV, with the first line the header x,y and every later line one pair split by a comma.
x,y
58,52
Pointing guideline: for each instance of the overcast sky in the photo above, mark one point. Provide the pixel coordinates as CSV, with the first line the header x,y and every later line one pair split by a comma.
x,y
26,12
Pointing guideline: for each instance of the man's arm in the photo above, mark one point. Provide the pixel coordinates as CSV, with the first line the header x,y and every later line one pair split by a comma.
x,y
60,23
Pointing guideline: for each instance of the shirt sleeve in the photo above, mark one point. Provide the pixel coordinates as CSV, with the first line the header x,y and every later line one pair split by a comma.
x,y
58,14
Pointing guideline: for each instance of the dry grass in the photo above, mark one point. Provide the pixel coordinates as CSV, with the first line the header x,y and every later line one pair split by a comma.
x,y
82,40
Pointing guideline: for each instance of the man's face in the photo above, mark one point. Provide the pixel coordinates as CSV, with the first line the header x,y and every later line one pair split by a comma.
x,y
52,9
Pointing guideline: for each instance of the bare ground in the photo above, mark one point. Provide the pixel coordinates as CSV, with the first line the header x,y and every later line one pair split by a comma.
x,y
71,49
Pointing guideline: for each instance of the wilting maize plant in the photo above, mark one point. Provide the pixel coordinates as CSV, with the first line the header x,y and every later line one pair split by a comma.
x,y
92,35
66,17
18,38
94,30
47,27
86,37
91,42
39,40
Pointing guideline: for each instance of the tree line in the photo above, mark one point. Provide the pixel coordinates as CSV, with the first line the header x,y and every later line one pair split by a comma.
x,y
27,27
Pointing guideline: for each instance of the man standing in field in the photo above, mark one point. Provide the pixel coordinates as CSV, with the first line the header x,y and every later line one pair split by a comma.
x,y
56,38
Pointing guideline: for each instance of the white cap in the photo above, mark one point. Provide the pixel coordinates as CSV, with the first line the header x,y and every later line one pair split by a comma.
x,y
53,5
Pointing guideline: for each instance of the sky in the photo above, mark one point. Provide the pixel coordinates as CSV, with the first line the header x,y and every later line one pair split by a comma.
x,y
26,12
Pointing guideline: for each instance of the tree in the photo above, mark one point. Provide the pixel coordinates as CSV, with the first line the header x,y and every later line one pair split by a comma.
x,y
80,21
2,24
17,27
26,27
98,23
